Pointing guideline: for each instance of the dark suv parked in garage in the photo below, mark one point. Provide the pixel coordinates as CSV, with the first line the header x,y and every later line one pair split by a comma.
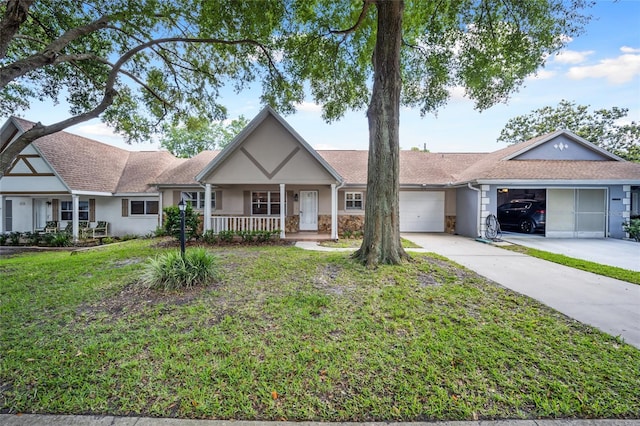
x,y
526,216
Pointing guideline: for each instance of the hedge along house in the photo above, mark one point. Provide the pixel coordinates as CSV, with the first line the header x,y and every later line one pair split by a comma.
x,y
269,178
70,179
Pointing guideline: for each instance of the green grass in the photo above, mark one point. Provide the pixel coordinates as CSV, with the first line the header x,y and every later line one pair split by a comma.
x,y
596,268
298,335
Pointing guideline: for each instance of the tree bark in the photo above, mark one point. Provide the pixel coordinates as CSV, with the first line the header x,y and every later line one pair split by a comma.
x,y
381,244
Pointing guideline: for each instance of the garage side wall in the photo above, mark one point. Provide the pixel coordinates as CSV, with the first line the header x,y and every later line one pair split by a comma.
x,y
467,212
619,209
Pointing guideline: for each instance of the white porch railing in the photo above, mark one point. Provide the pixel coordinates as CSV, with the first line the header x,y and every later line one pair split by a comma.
x,y
244,223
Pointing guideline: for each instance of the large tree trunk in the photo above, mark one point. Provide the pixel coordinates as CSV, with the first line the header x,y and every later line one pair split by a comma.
x,y
381,242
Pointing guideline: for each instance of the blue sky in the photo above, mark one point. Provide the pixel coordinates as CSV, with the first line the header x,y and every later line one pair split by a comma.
x,y
600,68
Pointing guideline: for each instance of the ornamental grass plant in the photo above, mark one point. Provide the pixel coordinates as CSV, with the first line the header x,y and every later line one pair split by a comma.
x,y
170,271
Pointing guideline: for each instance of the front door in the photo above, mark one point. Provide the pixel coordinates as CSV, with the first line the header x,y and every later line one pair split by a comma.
x,y
308,210
39,213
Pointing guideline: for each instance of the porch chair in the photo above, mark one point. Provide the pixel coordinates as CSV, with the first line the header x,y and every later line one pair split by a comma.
x,y
83,225
100,230
51,227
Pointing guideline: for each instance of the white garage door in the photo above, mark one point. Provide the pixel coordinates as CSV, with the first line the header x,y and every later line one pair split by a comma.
x,y
422,211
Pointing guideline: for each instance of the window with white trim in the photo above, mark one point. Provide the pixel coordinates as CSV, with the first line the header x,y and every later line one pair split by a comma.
x,y
196,199
66,210
265,203
142,207
353,200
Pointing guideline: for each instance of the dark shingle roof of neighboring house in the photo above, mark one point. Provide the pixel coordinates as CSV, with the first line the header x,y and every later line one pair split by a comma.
x,y
87,165
505,165
416,167
185,170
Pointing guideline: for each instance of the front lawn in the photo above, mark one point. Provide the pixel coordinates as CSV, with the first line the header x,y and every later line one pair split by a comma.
x,y
297,335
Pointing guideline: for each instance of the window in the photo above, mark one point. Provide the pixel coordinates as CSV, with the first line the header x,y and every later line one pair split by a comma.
x,y
265,203
353,200
66,210
196,199
144,207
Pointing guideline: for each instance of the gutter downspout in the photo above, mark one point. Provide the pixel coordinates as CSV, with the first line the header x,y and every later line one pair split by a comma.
x,y
478,215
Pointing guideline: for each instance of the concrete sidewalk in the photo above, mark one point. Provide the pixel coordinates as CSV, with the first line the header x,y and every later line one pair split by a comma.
x,y
46,420
610,305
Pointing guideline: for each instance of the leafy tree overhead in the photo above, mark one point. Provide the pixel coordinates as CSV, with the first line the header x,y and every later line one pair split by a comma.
x,y
379,54
602,127
136,64
199,134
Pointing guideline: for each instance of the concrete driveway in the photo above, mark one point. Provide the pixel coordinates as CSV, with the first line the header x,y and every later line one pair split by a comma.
x,y
610,305
606,251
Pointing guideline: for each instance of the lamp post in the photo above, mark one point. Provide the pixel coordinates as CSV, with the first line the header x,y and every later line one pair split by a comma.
x,y
182,206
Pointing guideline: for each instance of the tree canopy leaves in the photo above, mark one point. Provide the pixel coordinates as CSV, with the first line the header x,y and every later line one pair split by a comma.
x,y
137,65
602,127
199,134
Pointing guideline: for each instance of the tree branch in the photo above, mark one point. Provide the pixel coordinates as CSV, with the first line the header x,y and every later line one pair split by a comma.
x,y
363,13
7,157
15,14
49,54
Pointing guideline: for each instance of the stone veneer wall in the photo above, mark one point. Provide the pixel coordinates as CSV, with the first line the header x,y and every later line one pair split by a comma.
x,y
345,222
450,224
350,223
292,224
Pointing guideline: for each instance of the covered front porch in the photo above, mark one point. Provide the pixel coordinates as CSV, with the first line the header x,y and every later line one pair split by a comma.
x,y
288,209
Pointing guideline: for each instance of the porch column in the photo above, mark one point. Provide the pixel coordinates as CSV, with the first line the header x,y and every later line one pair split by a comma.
x,y
334,212
2,215
160,209
74,215
206,225
282,210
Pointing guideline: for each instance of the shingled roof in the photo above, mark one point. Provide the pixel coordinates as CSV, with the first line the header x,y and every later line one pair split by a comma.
x,y
88,165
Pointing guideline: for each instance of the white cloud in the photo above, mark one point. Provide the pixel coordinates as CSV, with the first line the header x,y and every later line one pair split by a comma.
x,y
95,129
458,93
309,107
572,56
627,49
542,75
618,70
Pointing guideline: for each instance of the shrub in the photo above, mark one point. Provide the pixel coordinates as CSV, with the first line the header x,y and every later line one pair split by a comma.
x,y
210,237
3,239
226,236
172,222
264,236
60,239
159,232
247,236
33,238
107,240
633,228
170,271
14,238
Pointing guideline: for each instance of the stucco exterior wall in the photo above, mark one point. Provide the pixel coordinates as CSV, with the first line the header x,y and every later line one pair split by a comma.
x,y
466,212
561,148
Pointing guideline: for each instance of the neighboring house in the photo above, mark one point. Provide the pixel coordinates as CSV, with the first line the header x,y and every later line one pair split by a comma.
x,y
268,177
